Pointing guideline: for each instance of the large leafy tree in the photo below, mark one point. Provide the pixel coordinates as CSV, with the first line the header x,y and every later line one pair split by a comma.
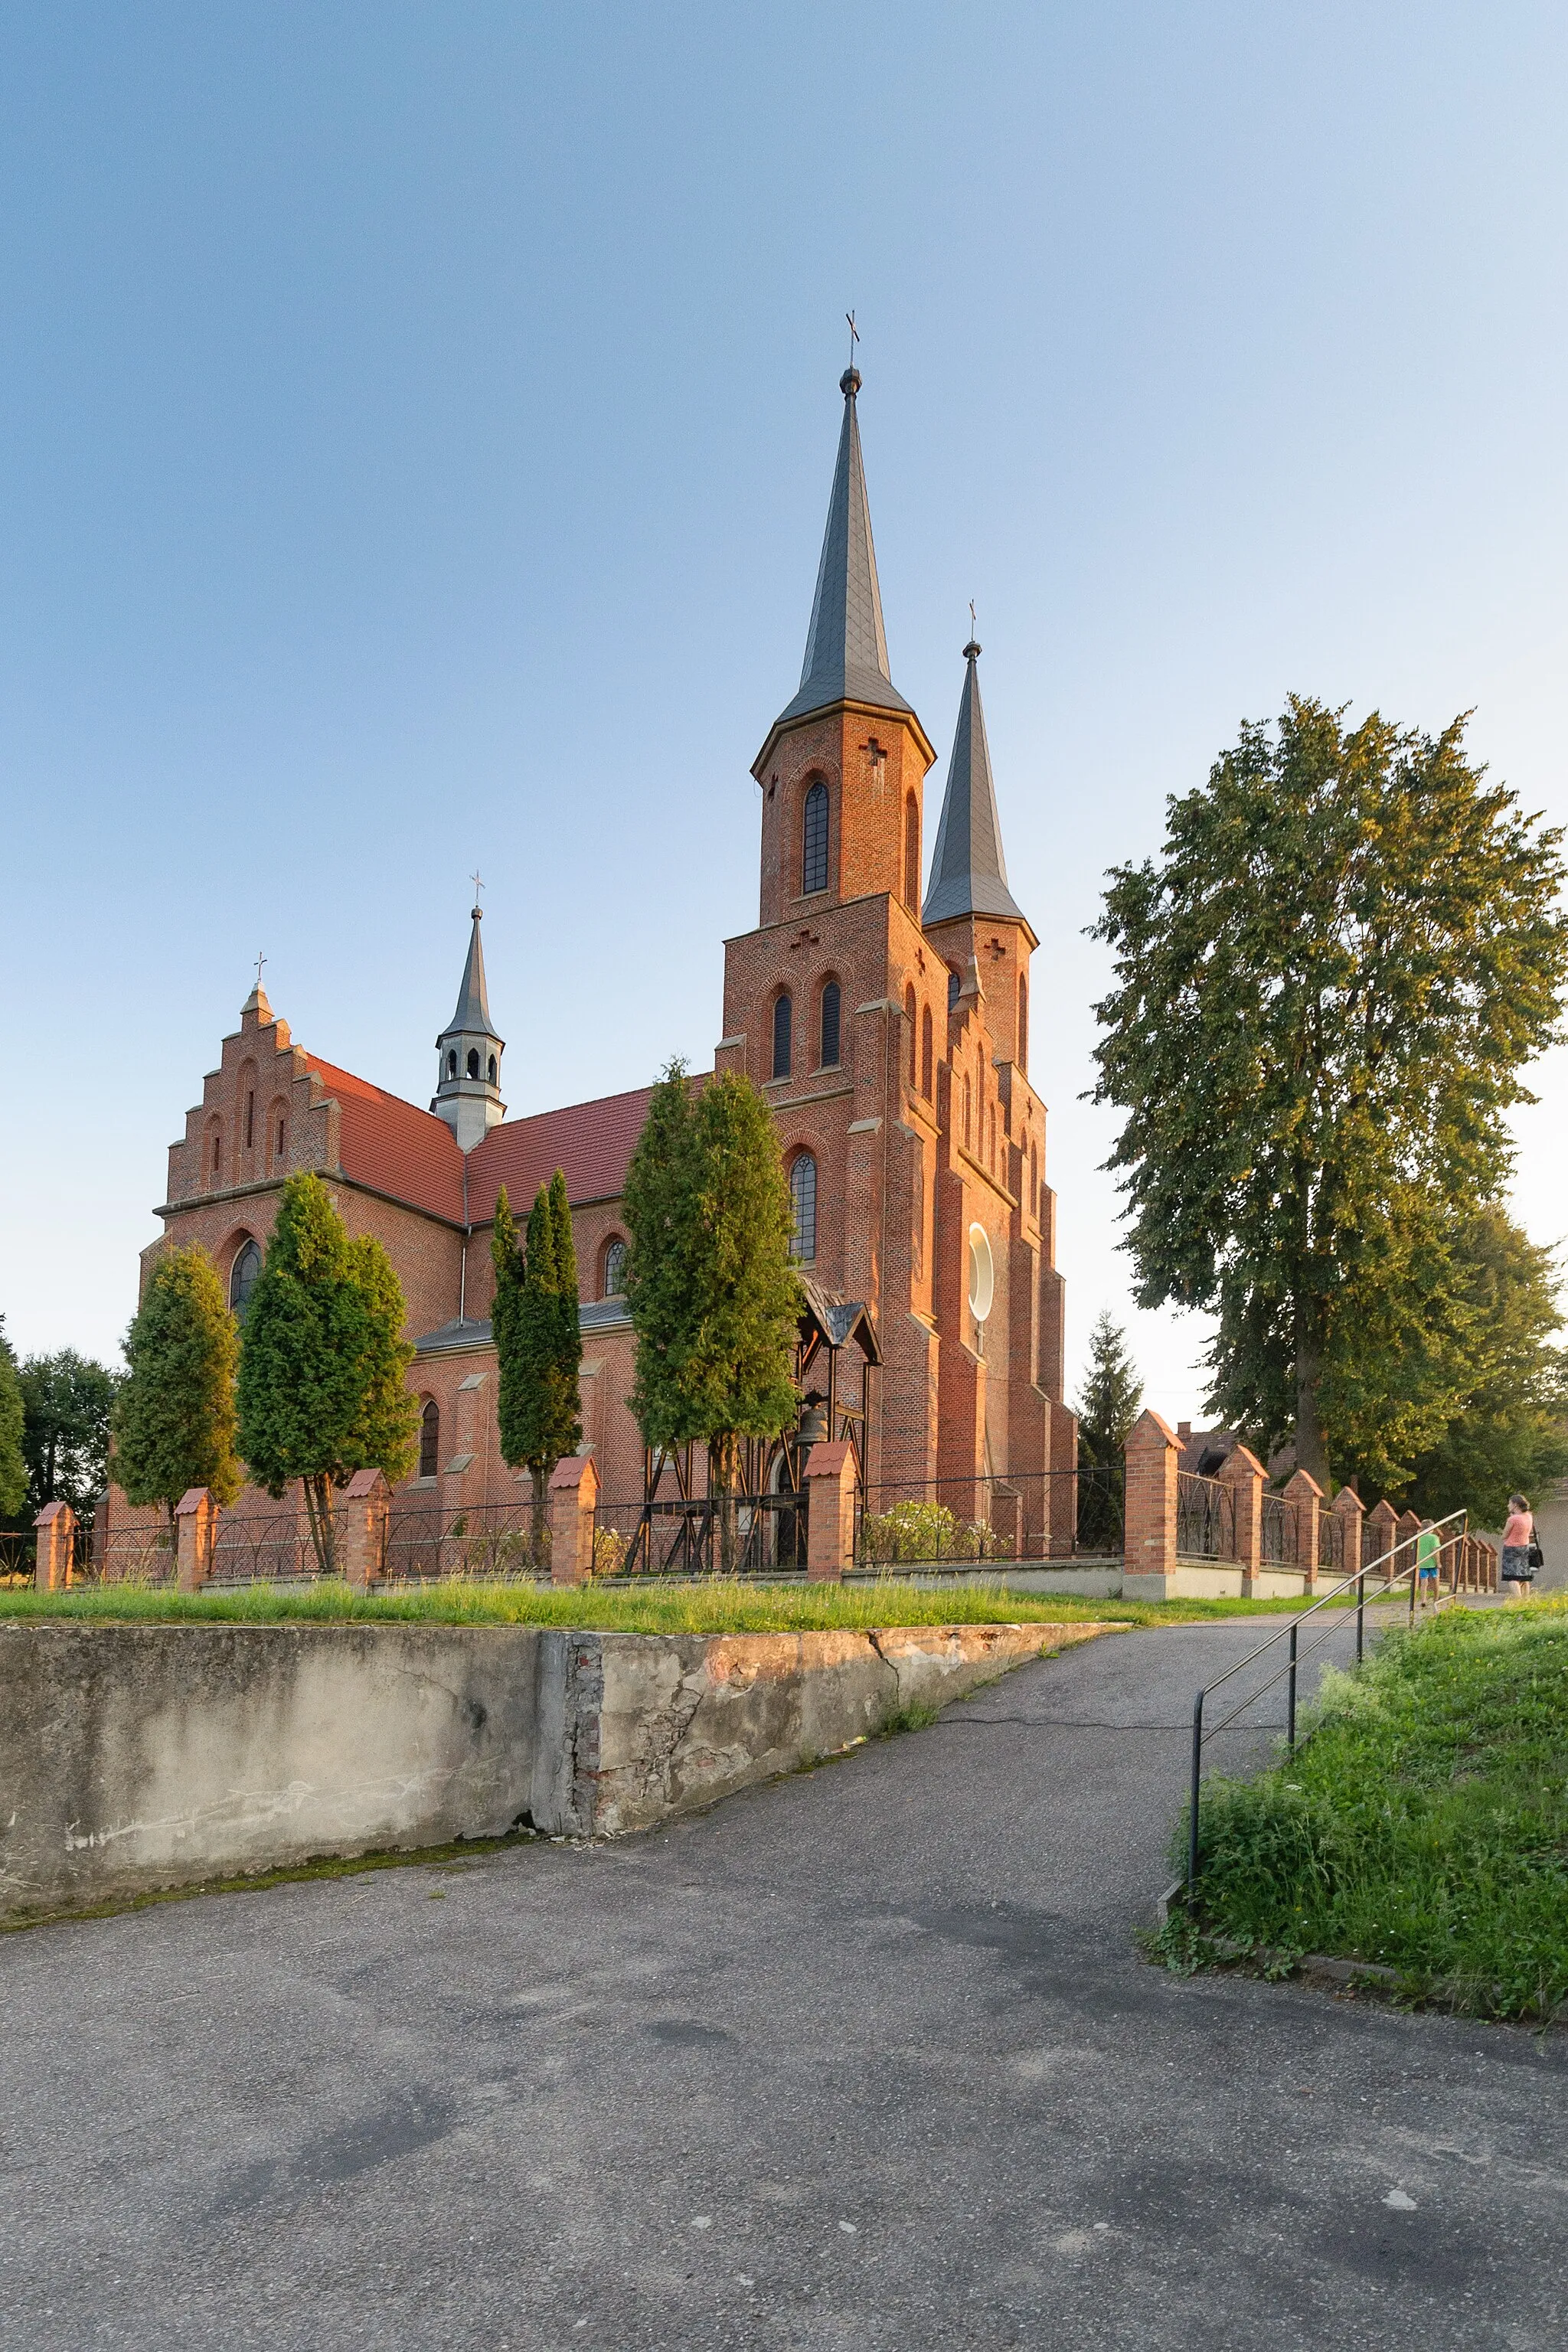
x,y
67,1400
711,1293
539,1341
173,1413
1326,989
322,1360
1509,1430
13,1464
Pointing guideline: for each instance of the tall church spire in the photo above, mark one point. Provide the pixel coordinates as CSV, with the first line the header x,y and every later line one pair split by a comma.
x,y
846,645
468,1088
968,875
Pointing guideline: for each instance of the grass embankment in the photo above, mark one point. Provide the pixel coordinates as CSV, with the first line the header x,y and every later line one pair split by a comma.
x,y
719,1605
1424,1827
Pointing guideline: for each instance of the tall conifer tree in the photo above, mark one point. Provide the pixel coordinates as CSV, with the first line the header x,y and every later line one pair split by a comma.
x,y
173,1413
712,1294
13,1467
539,1341
322,1362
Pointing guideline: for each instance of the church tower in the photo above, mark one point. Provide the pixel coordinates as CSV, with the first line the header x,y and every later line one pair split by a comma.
x,y
971,916
843,770
467,1090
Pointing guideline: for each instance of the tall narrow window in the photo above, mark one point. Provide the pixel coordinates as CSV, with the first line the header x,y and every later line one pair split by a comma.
x,y
912,855
430,1439
1023,1021
473,1061
217,1151
803,1201
831,1002
925,1054
994,1139
452,1064
814,840
614,1270
282,1138
966,1113
910,1025
1034,1182
491,1069
250,1121
783,1040
954,984
917,1238
243,1276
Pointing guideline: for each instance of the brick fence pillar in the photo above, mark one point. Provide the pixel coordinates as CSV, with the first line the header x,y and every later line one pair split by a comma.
x,y
573,1494
195,1526
1382,1534
1245,1476
1307,1496
1409,1525
367,1512
1148,1543
1350,1511
56,1557
829,1511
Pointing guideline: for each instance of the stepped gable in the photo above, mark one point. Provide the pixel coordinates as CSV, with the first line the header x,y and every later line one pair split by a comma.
x,y
591,1142
393,1146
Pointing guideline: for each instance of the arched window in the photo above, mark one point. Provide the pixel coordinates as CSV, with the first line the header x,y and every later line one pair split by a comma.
x,y
473,1061
912,855
992,1141
217,1151
954,984
452,1064
831,1002
783,1039
917,1238
814,840
803,1201
925,1054
491,1069
614,1282
910,1025
1023,1021
250,1119
282,1138
243,1274
429,1439
966,1110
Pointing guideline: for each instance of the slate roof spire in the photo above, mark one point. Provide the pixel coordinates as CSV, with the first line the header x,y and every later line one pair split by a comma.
x,y
968,875
473,1011
846,645
467,1082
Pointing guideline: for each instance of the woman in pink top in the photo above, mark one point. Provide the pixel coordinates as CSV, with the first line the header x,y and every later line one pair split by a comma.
x,y
1517,1538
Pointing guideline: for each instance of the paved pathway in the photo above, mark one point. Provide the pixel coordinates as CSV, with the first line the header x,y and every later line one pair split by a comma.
x,y
862,2059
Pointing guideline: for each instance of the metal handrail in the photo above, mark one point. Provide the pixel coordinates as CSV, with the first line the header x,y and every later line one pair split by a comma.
x,y
1292,1633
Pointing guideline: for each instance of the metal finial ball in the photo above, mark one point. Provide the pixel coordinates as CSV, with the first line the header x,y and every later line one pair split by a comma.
x,y
849,383
971,650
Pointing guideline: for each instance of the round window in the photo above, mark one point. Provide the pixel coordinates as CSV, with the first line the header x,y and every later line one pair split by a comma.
x,y
982,1273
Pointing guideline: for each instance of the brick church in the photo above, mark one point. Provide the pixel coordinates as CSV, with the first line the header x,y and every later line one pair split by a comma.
x,y
891,1036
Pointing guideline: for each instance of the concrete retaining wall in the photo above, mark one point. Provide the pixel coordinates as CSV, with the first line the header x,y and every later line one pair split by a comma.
x,y
148,1756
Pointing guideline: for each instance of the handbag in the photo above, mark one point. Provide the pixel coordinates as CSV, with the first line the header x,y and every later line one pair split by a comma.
x,y
1537,1556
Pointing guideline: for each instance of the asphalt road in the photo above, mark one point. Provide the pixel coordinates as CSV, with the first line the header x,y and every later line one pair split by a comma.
x,y
863,2059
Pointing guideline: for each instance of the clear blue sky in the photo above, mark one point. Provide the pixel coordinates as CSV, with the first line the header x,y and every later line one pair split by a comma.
x,y
418,423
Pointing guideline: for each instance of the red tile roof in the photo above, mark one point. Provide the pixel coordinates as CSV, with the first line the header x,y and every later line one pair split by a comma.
x,y
396,1148
393,1146
591,1141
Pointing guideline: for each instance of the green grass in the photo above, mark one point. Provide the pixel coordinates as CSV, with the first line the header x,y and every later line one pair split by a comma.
x,y
718,1605
1424,1827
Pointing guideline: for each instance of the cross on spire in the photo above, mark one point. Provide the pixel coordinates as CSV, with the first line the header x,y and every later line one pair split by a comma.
x,y
479,886
260,961
854,335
